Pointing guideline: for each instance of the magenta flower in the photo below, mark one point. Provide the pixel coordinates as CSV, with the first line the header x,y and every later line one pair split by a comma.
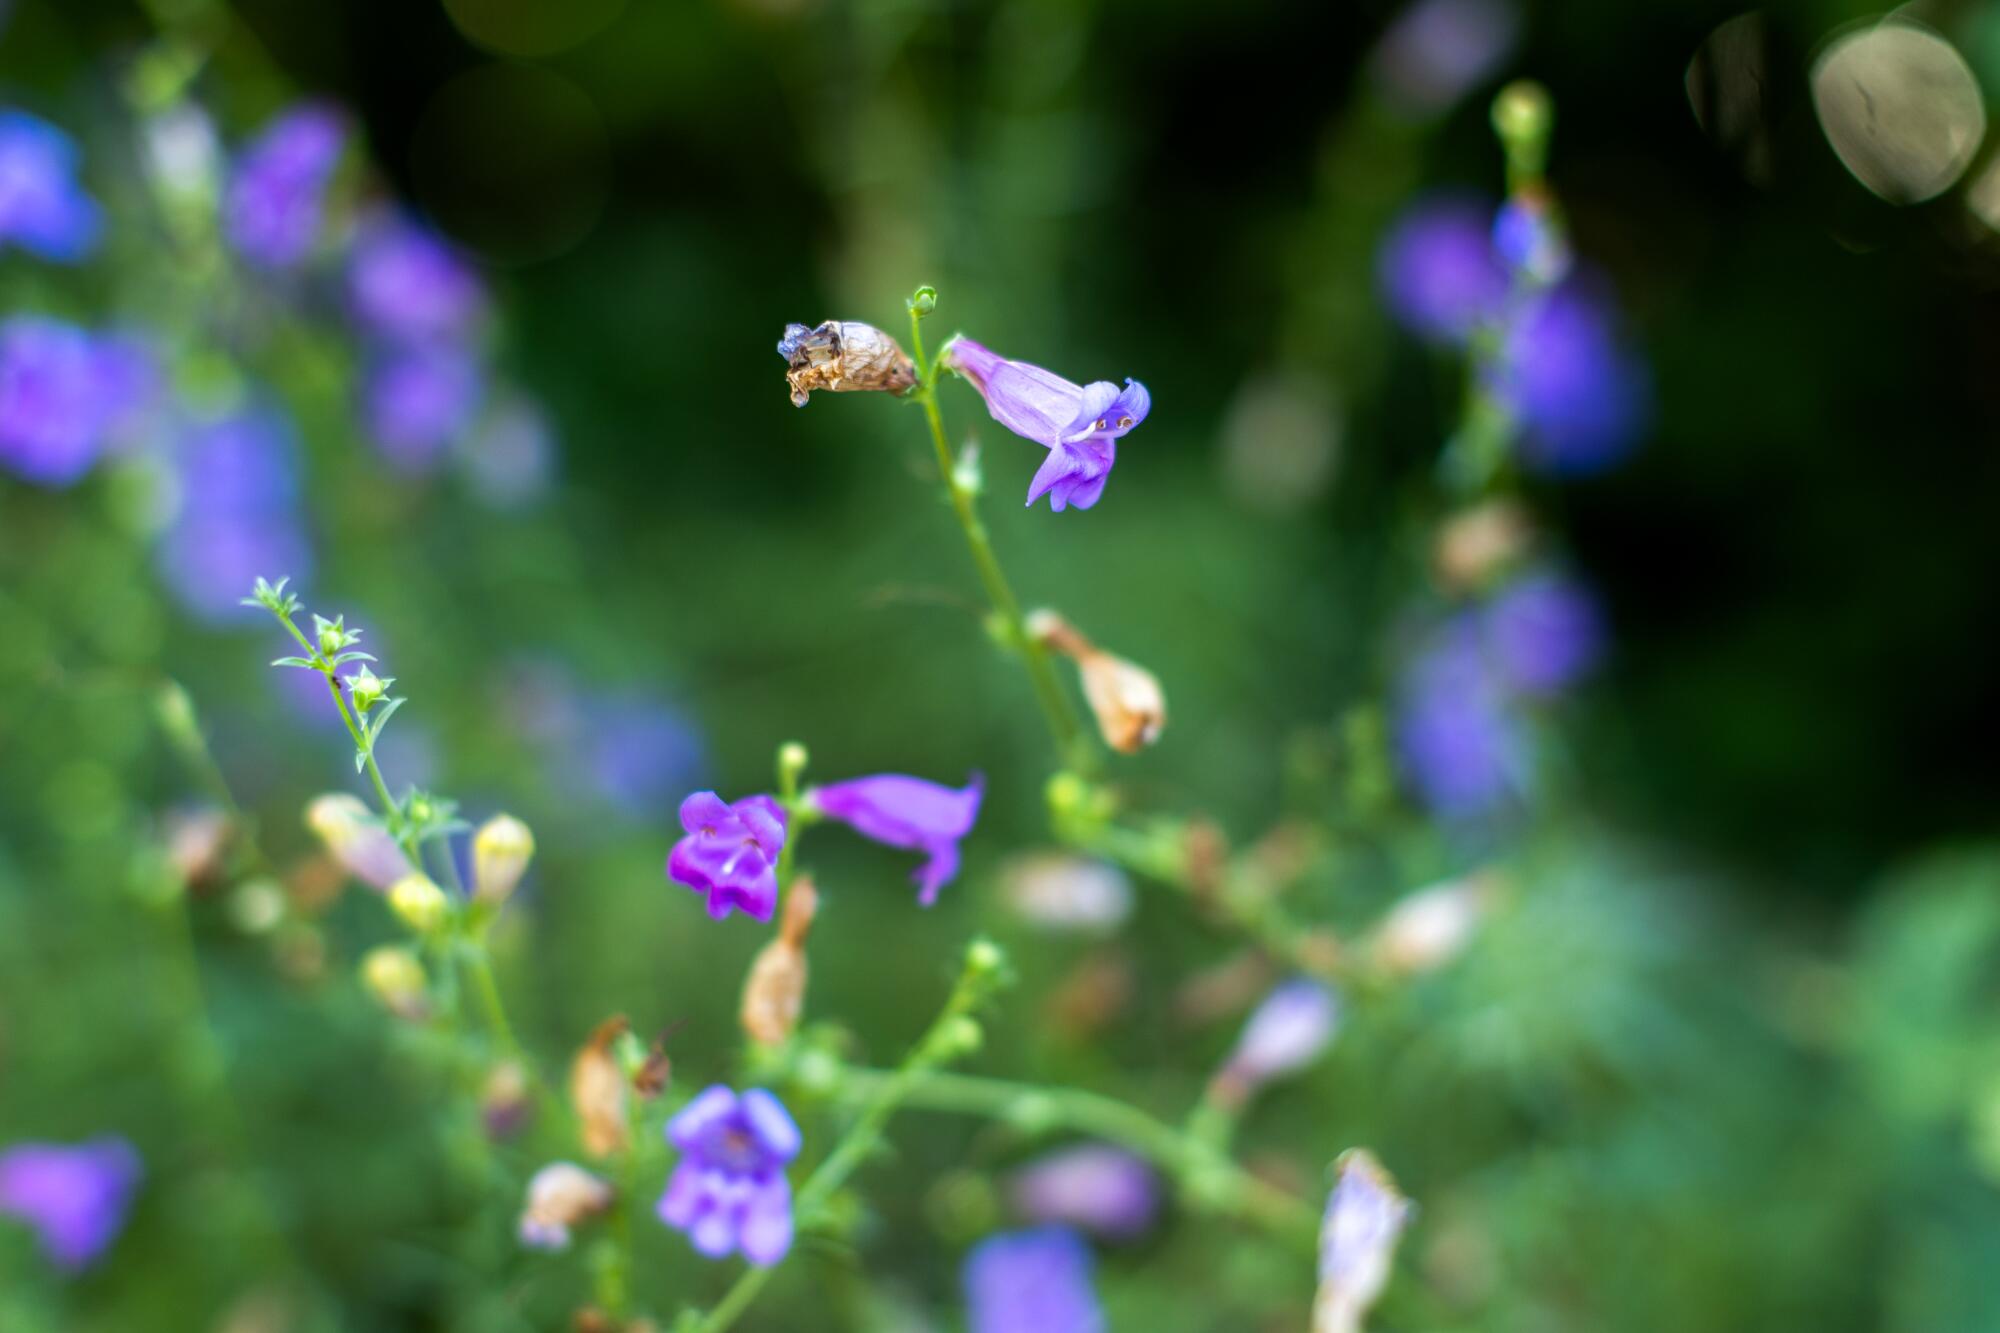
x,y
272,211
907,812
75,1197
729,1192
730,852
1078,424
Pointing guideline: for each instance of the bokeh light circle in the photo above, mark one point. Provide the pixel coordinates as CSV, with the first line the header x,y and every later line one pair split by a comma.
x,y
1901,108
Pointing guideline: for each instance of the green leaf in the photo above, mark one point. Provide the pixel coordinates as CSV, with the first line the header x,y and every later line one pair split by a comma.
x,y
389,707
345,658
360,760
307,663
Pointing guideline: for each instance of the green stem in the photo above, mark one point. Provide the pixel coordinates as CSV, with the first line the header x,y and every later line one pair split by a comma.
x,y
1072,747
1207,1176
480,964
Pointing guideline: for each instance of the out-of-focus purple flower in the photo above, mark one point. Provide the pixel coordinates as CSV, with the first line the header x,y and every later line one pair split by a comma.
x,y
75,1196
1529,238
511,460
1365,1216
911,813
355,839
637,751
271,213
1288,1031
42,208
729,1191
1456,737
1439,275
1437,50
129,383
1544,632
1582,397
418,399
1078,424
1104,1190
730,852
237,518
404,282
1034,1281
61,388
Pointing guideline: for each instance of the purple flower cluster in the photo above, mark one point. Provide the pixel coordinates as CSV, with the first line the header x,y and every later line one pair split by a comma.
x,y
1034,1281
42,208
1446,272
64,392
1462,732
237,516
730,851
75,1197
421,306
1079,425
729,1191
272,211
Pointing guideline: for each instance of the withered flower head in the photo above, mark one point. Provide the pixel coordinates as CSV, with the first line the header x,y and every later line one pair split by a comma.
x,y
1475,545
561,1195
597,1090
843,356
774,993
1130,707
1432,926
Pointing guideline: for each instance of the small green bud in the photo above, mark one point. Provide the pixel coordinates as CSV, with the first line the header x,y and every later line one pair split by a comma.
x,y
368,688
332,634
960,1035
792,760
420,903
984,958
1524,117
1068,795
922,301
818,1071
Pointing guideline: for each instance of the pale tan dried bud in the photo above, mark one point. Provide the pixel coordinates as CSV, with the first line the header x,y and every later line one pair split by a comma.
x,y
774,994
1125,698
197,841
598,1092
505,1100
843,356
1205,857
1475,544
501,851
1091,995
561,1195
396,979
1429,928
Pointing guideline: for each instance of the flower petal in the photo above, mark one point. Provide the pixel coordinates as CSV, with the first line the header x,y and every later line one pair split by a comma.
x,y
774,1127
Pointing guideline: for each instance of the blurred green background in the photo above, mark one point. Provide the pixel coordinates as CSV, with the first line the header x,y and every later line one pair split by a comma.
x,y
1729,1059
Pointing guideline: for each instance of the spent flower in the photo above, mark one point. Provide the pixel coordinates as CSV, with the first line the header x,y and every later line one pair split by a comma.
x,y
843,356
729,1191
1079,425
774,992
901,811
1124,697
560,1196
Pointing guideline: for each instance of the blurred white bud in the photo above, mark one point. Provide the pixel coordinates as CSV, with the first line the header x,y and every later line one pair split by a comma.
x,y
1290,1030
1476,544
1431,927
1060,891
501,851
182,154
1365,1216
561,1195
396,979
358,842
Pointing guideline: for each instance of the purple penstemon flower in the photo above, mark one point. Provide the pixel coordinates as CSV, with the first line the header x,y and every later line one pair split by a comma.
x,y
730,852
729,1191
1438,272
74,1196
418,399
405,282
1456,732
907,812
1544,631
1078,424
1106,1190
59,391
272,211
42,208
1035,1281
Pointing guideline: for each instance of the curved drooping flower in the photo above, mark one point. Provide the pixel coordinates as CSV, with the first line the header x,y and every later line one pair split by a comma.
x,y
729,1191
1078,424
1106,1190
75,1196
1288,1031
1035,1281
911,813
272,211
730,852
42,208
1365,1217
405,282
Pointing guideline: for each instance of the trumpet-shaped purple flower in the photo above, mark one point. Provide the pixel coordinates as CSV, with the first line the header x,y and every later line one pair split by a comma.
x,y
1078,424
1581,394
271,213
1105,1190
404,282
42,208
729,1191
911,813
1437,269
74,1196
1456,735
1288,1031
60,389
1545,632
420,398
1035,1281
730,852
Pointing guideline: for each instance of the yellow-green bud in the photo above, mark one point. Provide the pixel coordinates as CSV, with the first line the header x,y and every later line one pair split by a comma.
x,y
984,958
792,760
960,1036
396,979
366,687
419,902
501,851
